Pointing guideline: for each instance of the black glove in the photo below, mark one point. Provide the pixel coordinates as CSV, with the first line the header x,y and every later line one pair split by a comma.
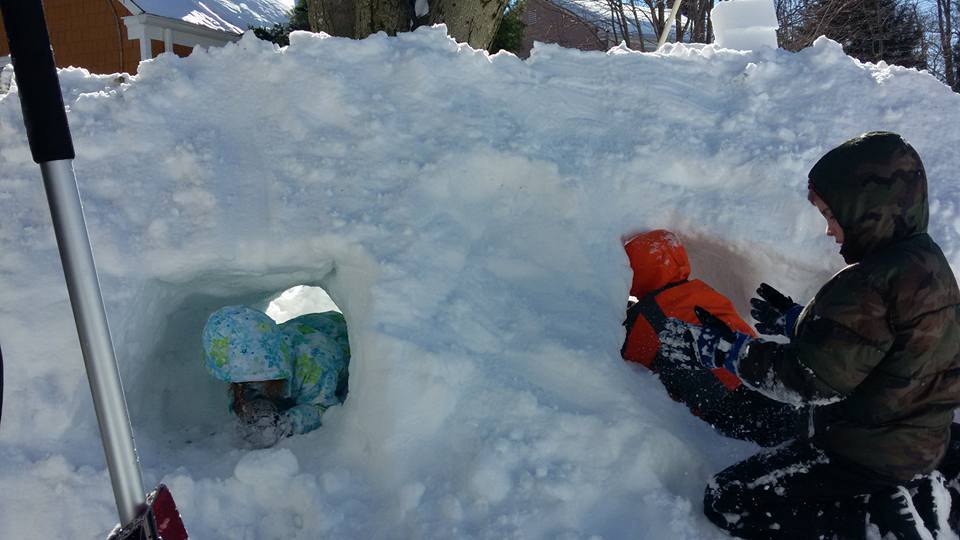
x,y
775,313
715,344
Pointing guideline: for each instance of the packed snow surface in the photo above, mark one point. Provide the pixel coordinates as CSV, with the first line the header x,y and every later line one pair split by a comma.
x,y
466,213
226,15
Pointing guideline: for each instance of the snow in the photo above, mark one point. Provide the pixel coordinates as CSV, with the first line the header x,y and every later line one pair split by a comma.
x,y
226,15
466,213
421,8
300,300
745,24
6,75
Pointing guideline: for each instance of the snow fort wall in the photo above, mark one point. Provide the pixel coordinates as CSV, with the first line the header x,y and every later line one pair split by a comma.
x,y
466,213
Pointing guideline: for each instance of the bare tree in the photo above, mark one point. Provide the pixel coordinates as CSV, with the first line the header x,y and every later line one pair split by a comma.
x,y
692,25
619,20
474,22
635,16
870,30
791,16
945,32
697,14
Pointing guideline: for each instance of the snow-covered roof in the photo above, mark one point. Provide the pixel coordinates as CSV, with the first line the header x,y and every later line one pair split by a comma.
x,y
224,15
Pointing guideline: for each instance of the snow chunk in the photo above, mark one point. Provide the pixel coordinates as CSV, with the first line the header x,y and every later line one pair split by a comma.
x,y
270,466
422,8
745,24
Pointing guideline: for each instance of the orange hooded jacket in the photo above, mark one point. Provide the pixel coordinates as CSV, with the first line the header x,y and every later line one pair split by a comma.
x,y
661,269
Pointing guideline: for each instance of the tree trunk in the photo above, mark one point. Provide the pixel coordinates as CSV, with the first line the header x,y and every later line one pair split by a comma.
x,y
616,9
613,26
709,38
335,17
390,16
944,25
636,21
471,21
679,31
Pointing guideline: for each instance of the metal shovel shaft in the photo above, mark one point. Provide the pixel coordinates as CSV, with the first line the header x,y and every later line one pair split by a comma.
x,y
674,10
52,147
95,341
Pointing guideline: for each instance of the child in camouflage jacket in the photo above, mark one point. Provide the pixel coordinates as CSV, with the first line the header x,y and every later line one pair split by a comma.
x,y
875,356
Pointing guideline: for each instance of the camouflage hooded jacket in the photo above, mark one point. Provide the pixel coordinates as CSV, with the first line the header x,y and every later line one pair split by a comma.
x,y
878,348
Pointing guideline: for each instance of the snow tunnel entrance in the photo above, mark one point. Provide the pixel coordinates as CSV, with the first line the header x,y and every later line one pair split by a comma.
x,y
174,403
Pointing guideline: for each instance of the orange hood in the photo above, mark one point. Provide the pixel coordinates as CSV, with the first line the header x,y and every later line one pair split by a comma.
x,y
657,259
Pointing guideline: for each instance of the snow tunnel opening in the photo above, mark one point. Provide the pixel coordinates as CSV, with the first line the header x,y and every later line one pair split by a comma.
x,y
174,402
726,267
299,300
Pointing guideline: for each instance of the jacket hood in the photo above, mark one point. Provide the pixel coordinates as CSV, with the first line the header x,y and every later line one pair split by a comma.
x,y
876,188
242,344
657,259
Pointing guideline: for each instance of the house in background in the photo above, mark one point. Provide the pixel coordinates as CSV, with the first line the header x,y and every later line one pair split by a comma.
x,y
579,24
111,36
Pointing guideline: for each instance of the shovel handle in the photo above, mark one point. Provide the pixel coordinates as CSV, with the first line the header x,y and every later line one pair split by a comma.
x,y
37,82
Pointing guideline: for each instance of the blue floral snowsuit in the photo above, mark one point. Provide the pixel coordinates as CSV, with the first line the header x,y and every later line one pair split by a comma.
x,y
311,352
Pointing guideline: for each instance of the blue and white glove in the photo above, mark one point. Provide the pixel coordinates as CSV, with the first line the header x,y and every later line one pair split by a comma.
x,y
776,313
715,344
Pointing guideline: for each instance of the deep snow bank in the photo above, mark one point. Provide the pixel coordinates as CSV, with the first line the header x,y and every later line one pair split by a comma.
x,y
466,213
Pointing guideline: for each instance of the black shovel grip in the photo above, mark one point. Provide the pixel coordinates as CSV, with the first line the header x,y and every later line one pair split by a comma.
x,y
37,82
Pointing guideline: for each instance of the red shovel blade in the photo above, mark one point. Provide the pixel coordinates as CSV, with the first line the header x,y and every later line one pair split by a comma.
x,y
159,520
165,514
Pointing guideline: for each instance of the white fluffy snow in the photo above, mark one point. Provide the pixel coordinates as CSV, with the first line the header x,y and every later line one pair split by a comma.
x,y
226,15
466,212
745,24
299,300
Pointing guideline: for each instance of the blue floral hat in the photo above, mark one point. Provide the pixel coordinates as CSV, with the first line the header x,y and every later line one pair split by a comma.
x,y
241,344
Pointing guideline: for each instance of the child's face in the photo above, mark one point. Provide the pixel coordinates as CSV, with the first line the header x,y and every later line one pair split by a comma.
x,y
269,389
833,227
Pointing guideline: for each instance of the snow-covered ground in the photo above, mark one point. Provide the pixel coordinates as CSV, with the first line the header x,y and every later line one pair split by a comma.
x,y
466,212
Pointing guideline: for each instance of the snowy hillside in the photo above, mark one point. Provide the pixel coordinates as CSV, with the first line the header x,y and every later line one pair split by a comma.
x,y
466,212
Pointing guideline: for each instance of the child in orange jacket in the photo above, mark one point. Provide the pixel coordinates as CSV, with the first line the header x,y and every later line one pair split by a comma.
x,y
663,288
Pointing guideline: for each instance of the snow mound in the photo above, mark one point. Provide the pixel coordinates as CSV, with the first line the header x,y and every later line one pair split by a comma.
x,y
466,213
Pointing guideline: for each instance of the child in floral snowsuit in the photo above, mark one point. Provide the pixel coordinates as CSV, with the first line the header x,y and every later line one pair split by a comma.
x,y
283,377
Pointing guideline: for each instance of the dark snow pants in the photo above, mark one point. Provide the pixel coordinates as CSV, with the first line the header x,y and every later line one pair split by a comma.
x,y
950,469
796,491
789,492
